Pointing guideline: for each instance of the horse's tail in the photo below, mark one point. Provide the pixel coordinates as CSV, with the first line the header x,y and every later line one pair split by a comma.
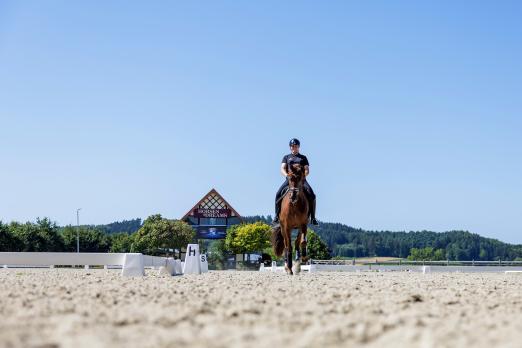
x,y
277,240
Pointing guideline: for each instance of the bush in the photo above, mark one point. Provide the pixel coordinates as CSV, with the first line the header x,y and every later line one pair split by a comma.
x,y
121,242
426,254
248,238
317,249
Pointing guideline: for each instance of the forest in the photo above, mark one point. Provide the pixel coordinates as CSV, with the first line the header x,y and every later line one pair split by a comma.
x,y
348,242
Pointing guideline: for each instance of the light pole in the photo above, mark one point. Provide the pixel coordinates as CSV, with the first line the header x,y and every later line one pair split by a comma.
x,y
78,230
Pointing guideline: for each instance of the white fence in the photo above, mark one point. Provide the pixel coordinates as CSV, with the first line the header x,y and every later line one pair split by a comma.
x,y
132,263
411,268
348,266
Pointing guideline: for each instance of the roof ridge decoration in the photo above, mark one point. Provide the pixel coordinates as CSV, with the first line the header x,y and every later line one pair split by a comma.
x,y
213,200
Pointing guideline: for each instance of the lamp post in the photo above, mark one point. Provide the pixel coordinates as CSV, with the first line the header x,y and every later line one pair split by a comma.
x,y
78,230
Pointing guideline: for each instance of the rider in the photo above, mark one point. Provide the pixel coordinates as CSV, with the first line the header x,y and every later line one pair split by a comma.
x,y
295,158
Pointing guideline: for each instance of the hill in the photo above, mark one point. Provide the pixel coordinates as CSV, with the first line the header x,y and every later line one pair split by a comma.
x,y
346,241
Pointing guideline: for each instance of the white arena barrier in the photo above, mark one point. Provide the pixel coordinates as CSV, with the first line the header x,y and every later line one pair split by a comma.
x,y
165,265
333,268
132,263
348,266
171,267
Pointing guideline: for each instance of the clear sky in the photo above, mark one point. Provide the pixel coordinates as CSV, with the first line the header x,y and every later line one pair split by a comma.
x,y
410,114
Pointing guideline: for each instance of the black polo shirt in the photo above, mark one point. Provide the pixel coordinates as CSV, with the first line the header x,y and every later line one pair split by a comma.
x,y
291,159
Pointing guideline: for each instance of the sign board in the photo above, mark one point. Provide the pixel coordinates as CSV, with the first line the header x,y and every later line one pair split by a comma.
x,y
212,213
209,232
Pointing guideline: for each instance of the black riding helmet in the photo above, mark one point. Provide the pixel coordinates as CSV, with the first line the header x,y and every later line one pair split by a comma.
x,y
295,141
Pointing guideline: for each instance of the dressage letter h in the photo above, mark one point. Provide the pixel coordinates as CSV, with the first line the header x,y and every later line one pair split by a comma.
x,y
192,252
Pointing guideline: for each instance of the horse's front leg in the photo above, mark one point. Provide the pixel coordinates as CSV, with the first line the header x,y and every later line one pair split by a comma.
x,y
302,244
297,265
288,249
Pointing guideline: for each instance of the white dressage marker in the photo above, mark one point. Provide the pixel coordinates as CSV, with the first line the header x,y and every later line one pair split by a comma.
x,y
169,267
426,269
178,267
204,263
192,260
133,266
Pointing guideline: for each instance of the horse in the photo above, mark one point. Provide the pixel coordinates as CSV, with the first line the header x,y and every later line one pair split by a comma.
x,y
294,215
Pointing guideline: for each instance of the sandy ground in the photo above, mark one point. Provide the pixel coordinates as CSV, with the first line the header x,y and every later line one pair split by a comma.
x,y
97,308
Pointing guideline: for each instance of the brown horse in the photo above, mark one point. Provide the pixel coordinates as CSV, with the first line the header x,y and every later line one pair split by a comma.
x,y
294,214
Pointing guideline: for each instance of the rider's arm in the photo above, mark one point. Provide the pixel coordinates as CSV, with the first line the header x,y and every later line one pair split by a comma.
x,y
283,170
307,170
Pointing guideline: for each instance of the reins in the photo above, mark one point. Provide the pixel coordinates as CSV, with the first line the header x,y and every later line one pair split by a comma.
x,y
295,193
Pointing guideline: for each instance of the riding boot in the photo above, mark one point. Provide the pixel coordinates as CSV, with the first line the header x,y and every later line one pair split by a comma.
x,y
312,213
277,211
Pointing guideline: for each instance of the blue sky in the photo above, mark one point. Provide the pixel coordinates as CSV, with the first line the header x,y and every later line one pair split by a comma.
x,y
410,114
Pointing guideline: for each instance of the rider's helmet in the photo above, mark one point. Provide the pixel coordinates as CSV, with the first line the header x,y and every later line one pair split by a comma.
x,y
295,141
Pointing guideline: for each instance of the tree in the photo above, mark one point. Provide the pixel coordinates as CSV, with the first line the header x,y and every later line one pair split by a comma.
x,y
248,238
128,226
42,236
230,239
158,234
217,254
8,242
121,242
426,254
92,239
49,233
317,249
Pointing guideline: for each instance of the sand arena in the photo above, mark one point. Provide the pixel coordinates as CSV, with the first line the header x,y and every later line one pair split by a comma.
x,y
99,308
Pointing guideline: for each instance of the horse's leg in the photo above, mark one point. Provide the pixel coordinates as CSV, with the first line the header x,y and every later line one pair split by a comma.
x,y
297,241
302,246
297,265
288,248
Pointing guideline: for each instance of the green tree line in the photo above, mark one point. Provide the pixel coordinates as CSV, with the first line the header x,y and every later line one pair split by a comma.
x,y
346,241
155,236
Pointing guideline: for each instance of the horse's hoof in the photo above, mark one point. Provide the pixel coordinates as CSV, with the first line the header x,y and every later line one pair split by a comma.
x,y
288,270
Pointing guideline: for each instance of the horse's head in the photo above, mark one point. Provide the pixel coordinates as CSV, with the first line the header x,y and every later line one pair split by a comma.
x,y
296,174
295,180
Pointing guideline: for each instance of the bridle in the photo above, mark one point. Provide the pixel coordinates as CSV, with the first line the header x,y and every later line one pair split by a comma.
x,y
294,193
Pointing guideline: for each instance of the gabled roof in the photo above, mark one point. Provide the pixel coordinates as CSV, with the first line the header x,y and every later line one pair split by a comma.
x,y
212,200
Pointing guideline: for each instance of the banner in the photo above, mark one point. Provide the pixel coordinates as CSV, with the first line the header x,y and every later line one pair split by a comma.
x,y
212,213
